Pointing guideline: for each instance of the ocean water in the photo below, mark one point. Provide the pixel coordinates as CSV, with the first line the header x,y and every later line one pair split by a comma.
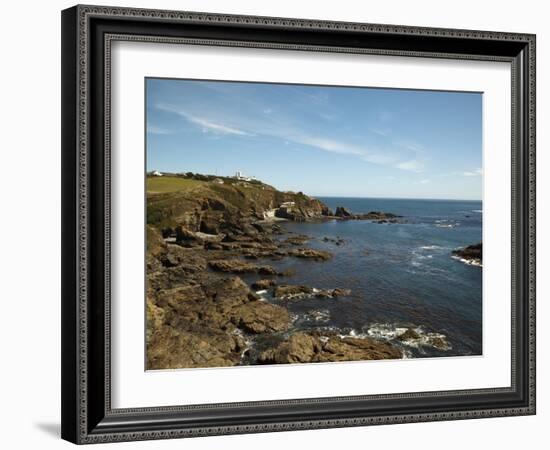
x,y
401,275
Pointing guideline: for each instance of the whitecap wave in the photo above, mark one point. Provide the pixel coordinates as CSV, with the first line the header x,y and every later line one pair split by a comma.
x,y
413,337
468,262
447,225
385,331
421,256
319,316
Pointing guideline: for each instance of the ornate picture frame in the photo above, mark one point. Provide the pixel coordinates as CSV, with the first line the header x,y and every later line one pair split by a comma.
x,y
87,35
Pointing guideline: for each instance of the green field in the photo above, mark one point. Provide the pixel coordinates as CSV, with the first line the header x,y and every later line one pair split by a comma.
x,y
160,185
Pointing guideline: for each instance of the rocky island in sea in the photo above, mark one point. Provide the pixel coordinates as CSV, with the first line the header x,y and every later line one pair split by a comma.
x,y
229,265
472,254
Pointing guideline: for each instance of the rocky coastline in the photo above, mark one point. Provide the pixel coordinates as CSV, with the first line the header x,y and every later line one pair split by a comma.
x,y
201,242
471,255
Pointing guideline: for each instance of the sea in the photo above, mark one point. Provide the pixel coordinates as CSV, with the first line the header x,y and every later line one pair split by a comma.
x,y
402,275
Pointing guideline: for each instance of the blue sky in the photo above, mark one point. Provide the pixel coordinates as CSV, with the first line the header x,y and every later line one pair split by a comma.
x,y
324,141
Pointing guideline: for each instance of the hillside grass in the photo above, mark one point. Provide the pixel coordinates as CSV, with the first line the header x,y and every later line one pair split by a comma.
x,y
172,200
165,184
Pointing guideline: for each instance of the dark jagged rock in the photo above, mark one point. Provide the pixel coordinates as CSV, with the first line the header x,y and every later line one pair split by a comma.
x,y
340,292
336,241
342,212
187,238
292,292
408,335
289,291
472,254
376,216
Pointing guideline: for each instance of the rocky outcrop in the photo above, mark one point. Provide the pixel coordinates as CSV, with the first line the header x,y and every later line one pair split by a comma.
x,y
377,216
472,254
299,239
305,209
308,348
309,253
237,266
333,293
230,208
292,292
187,238
420,338
262,317
202,325
175,348
155,242
336,241
342,212
286,292
408,335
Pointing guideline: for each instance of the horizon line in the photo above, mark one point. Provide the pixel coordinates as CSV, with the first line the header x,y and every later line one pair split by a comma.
x,y
398,198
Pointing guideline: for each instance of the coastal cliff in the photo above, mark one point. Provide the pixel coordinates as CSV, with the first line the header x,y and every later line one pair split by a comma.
x,y
223,206
203,237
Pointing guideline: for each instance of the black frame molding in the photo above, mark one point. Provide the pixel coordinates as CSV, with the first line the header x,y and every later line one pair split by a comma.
x,y
87,34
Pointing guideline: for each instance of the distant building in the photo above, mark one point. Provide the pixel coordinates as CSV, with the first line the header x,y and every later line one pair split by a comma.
x,y
240,176
287,204
156,173
218,180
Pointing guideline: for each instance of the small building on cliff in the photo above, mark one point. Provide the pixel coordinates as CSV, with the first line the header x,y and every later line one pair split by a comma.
x,y
241,177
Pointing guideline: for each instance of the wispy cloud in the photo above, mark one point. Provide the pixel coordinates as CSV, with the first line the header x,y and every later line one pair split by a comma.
x,y
276,126
151,129
412,165
384,132
425,181
336,146
206,125
473,173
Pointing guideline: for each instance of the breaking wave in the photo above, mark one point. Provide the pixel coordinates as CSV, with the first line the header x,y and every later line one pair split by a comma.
x,y
413,337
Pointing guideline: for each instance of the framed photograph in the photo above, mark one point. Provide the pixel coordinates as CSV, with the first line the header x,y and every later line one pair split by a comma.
x,y
278,224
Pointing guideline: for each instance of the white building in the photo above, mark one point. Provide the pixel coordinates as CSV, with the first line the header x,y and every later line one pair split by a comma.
x,y
156,173
240,176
